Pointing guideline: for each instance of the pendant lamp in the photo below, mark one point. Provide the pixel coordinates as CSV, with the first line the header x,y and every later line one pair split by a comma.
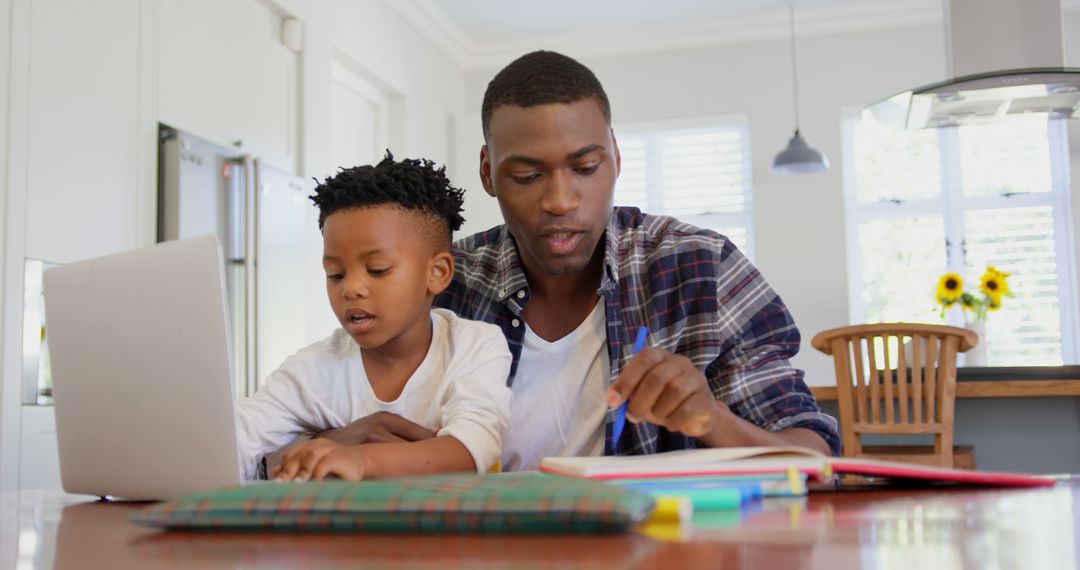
x,y
798,157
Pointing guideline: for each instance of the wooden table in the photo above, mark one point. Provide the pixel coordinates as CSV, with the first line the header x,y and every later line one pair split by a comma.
x,y
1002,382
878,528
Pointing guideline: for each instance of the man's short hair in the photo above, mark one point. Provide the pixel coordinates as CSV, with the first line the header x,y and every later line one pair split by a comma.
x,y
414,185
542,78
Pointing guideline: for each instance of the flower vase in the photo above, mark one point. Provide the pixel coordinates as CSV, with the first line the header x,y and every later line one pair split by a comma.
x,y
979,355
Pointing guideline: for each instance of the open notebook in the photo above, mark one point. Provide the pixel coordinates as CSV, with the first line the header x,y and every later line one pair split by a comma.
x,y
769,460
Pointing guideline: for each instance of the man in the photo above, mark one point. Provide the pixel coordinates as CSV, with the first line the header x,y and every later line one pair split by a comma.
x,y
569,279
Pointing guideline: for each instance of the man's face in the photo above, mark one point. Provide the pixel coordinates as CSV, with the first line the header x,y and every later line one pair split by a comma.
x,y
553,170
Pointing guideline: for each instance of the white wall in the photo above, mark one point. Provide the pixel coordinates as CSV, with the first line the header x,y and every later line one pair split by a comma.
x,y
89,85
9,421
422,87
799,220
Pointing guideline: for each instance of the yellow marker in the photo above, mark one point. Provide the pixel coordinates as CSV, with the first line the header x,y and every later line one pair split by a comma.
x,y
795,481
665,532
669,520
671,510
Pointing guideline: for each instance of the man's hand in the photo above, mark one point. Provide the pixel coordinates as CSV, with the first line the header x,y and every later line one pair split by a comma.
x,y
380,427
667,390
319,458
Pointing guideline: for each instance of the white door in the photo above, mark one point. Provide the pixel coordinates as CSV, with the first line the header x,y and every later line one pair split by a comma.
x,y
359,121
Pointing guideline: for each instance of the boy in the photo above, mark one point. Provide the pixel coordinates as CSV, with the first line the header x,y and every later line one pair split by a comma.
x,y
386,245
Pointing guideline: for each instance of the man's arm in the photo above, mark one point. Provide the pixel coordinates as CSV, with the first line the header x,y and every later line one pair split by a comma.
x,y
749,394
380,427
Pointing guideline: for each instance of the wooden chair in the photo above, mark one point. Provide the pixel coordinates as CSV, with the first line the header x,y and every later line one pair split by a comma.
x,y
898,378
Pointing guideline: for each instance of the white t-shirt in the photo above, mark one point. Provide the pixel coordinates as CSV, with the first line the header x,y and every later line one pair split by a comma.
x,y
558,406
459,389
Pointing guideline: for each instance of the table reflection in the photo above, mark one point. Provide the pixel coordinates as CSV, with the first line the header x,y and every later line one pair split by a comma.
x,y
101,534
894,528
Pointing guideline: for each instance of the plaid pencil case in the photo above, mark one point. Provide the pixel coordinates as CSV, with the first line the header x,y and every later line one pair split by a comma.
x,y
502,503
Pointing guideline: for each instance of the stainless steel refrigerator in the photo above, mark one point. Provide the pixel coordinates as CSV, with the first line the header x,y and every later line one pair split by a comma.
x,y
261,217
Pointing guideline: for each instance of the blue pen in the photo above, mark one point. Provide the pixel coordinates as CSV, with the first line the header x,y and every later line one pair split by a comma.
x,y
620,412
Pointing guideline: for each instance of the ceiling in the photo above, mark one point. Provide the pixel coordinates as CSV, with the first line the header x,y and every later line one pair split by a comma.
x,y
495,21
482,33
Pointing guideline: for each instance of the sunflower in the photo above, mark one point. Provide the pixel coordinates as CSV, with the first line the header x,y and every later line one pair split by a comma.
x,y
950,289
994,285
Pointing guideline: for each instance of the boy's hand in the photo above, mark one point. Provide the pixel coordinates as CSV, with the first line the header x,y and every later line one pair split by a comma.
x,y
380,427
320,458
667,390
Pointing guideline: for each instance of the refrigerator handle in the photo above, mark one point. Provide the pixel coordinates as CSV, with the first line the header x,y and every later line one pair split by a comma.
x,y
251,211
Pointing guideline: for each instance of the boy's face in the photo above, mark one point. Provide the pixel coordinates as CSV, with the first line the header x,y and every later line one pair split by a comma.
x,y
553,170
382,271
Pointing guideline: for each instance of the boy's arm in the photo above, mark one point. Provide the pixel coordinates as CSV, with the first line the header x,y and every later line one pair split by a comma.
x,y
476,408
272,418
475,411
322,458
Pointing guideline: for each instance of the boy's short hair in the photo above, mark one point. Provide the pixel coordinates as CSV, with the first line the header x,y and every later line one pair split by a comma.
x,y
412,184
542,78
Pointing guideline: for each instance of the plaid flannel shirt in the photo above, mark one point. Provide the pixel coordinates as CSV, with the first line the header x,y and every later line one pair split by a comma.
x,y
699,296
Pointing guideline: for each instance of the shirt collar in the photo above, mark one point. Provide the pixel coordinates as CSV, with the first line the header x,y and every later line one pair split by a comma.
x,y
612,237
511,277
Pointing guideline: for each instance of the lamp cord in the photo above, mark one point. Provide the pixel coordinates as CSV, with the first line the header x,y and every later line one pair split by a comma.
x,y
794,68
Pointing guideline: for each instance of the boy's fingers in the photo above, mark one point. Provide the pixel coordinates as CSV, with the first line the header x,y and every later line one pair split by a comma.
x,y
287,469
300,460
346,469
324,467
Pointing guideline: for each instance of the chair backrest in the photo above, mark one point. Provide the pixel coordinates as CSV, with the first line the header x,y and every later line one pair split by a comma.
x,y
896,378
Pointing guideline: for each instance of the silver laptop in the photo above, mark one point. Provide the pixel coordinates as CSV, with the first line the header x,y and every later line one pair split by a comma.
x,y
142,383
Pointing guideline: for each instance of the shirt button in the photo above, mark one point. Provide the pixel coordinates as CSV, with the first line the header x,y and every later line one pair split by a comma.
x,y
521,294
515,323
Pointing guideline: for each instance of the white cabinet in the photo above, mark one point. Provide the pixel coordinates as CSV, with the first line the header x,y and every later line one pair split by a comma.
x,y
39,464
224,75
81,128
284,271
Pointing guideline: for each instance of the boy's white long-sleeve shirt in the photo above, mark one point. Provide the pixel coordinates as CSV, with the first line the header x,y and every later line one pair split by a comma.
x,y
459,389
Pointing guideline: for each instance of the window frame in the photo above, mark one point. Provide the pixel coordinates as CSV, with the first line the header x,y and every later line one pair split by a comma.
x,y
653,130
952,205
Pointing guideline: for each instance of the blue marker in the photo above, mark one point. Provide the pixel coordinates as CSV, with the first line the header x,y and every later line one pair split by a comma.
x,y
620,412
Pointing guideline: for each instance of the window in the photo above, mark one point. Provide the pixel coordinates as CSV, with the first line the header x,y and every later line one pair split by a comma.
x,y
696,170
924,202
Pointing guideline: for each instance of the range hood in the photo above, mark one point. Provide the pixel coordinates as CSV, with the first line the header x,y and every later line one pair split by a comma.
x,y
1006,57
